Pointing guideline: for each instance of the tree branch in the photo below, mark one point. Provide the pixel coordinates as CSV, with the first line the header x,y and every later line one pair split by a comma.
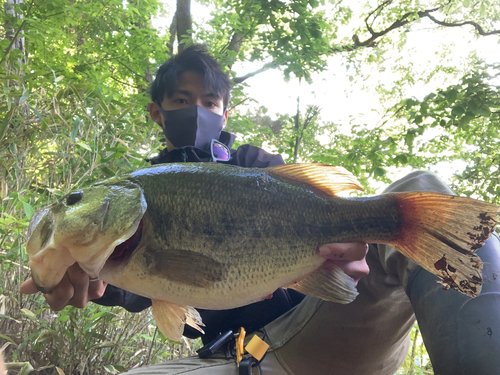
x,y
130,69
478,28
404,20
376,35
122,82
267,66
376,10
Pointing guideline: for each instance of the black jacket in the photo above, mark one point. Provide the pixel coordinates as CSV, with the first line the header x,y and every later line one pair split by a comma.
x,y
251,317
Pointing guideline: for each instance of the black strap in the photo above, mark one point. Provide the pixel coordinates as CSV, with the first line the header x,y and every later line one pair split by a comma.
x,y
246,365
213,346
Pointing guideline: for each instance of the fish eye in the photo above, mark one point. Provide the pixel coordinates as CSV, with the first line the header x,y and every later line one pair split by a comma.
x,y
74,198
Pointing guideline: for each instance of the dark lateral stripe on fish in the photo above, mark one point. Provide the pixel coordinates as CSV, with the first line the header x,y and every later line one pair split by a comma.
x,y
374,219
185,266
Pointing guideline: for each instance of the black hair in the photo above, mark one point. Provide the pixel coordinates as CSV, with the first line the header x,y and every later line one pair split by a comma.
x,y
194,58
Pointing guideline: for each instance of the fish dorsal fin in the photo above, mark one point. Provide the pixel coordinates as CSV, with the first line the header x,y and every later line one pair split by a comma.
x,y
170,318
327,179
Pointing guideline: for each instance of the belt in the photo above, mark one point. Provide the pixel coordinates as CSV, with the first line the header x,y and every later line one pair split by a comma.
x,y
233,344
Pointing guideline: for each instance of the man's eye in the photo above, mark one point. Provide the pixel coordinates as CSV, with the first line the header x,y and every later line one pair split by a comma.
x,y
211,104
181,101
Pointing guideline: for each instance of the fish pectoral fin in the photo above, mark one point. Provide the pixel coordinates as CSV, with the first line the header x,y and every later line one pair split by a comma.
x,y
193,319
328,283
185,266
327,179
170,318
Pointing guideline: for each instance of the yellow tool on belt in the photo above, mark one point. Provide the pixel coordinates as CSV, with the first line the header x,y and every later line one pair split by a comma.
x,y
256,347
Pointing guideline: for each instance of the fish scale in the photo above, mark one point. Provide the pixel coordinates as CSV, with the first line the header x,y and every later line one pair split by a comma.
x,y
215,236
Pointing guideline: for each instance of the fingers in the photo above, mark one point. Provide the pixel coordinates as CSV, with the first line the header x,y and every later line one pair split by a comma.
x,y
96,289
61,294
28,287
344,251
356,270
75,289
350,257
80,282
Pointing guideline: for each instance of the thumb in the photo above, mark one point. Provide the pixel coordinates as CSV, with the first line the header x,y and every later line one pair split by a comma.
x,y
28,287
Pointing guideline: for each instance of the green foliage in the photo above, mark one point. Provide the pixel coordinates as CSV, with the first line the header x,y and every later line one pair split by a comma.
x,y
466,118
73,114
417,362
59,138
292,35
72,111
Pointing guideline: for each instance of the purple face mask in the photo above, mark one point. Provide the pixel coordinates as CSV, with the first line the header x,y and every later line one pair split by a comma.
x,y
192,126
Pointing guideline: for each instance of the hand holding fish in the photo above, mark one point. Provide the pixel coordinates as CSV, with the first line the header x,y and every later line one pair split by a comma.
x,y
349,257
212,236
75,289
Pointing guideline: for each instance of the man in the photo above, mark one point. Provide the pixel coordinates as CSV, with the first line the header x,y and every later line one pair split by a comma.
x,y
309,336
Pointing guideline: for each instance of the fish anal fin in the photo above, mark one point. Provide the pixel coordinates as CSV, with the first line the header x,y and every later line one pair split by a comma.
x,y
170,318
185,266
327,179
441,233
329,283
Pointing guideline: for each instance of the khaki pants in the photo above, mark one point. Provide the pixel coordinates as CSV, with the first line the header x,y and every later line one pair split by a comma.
x,y
370,336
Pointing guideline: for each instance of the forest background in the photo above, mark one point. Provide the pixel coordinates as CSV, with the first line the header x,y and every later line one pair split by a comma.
x,y
74,77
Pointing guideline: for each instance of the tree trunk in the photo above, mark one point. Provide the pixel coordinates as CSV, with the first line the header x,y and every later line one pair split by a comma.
x,y
173,33
15,36
297,127
184,23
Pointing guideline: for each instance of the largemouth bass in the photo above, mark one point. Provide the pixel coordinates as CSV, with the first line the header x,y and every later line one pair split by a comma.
x,y
213,236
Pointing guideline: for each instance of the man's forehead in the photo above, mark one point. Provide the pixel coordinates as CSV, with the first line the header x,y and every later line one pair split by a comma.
x,y
188,92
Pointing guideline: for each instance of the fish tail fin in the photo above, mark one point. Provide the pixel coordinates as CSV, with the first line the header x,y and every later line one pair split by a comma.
x,y
329,283
442,232
170,318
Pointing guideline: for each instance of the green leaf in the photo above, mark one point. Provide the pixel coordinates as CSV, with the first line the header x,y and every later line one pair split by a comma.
x,y
84,145
484,111
75,129
451,95
24,98
482,9
28,313
63,318
458,110
28,210
120,368
379,172
111,369
401,159
5,122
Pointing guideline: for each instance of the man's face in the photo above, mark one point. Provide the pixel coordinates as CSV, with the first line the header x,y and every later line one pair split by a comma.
x,y
189,92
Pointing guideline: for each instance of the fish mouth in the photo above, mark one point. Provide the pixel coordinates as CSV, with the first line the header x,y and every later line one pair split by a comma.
x,y
124,251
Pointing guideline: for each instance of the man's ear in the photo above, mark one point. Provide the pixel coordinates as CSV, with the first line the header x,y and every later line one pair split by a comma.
x,y
225,118
154,112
